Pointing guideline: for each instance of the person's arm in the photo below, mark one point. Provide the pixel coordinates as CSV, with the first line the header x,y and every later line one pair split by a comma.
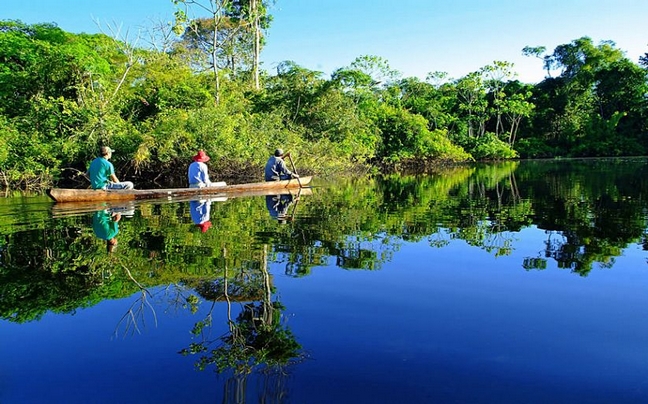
x,y
111,172
284,168
205,173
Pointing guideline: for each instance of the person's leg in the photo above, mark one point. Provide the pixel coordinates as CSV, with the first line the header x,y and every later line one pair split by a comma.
x,y
120,185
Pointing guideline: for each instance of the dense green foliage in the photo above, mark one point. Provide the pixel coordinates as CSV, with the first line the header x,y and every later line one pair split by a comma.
x,y
63,94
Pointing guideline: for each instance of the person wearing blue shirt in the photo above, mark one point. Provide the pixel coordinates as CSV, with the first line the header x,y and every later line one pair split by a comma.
x,y
198,173
276,169
278,206
102,172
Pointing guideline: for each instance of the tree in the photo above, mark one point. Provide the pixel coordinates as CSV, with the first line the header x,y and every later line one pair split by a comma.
x,y
643,60
377,68
432,101
205,34
471,95
254,16
538,52
590,100
494,76
515,108
232,35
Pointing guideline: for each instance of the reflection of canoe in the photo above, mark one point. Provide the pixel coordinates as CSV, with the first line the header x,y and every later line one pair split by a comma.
x,y
94,195
84,207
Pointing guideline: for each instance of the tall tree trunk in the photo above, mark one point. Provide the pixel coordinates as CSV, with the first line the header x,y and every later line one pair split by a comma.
x,y
215,55
257,42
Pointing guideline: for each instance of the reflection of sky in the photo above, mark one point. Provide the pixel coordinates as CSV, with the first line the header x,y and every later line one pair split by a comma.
x,y
78,359
450,324
459,324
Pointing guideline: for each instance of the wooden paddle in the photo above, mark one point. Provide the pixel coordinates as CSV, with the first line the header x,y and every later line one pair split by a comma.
x,y
294,169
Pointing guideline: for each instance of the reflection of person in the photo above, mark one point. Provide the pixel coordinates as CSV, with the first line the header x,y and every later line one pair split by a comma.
x,y
276,169
105,227
278,206
102,172
126,209
198,173
200,211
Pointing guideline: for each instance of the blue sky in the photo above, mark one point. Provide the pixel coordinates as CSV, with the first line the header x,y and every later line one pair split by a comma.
x,y
415,36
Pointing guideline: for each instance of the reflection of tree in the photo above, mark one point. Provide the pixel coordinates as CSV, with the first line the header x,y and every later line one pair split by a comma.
x,y
481,206
365,254
256,339
591,211
48,269
534,263
136,313
570,252
594,209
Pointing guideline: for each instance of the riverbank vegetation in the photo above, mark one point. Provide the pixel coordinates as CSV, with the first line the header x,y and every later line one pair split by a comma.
x,y
197,84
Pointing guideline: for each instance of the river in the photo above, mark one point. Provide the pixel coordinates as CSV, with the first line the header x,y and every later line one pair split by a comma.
x,y
509,282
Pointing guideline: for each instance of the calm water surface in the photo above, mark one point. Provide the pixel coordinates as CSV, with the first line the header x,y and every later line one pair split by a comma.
x,y
518,282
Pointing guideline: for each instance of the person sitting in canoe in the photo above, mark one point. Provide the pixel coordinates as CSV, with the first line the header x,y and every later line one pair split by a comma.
x,y
102,172
276,169
198,174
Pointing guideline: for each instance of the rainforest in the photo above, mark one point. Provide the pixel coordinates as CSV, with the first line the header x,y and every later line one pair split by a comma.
x,y
198,84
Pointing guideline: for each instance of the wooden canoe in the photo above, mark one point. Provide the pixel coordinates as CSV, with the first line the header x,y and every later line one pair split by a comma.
x,y
85,207
97,195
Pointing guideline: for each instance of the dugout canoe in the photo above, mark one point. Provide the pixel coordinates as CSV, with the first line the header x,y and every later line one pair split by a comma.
x,y
84,207
97,195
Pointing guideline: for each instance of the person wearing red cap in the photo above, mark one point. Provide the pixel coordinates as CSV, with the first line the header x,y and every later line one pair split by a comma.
x,y
198,173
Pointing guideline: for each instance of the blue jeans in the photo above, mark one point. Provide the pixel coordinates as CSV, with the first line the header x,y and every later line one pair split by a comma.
x,y
279,177
120,185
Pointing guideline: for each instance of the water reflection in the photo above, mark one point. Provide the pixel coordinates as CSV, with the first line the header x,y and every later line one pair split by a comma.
x,y
106,227
581,215
278,206
200,214
590,211
258,338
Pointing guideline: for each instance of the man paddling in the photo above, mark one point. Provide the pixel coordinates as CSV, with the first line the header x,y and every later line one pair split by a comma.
x,y
102,172
276,169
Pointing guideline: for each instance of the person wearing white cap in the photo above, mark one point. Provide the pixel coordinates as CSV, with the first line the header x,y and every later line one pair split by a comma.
x,y
102,172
